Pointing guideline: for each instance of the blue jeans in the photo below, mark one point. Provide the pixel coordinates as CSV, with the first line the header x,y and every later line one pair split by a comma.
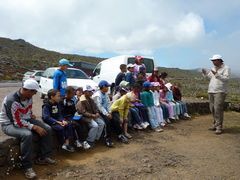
x,y
96,128
26,136
152,117
136,118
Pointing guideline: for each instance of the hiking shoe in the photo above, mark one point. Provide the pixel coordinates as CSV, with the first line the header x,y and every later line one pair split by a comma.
x,y
86,145
78,144
218,131
68,148
30,173
212,129
136,126
127,135
123,139
45,161
108,142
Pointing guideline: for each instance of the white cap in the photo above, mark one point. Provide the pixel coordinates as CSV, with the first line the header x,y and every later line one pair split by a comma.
x,y
88,88
31,84
215,57
168,85
130,65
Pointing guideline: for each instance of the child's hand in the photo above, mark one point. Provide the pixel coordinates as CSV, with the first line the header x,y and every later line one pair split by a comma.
x,y
65,122
33,116
60,123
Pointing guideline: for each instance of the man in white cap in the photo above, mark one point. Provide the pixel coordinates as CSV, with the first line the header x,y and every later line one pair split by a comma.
x,y
17,120
217,90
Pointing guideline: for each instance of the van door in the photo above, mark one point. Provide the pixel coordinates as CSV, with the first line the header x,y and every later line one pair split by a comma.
x,y
46,81
97,73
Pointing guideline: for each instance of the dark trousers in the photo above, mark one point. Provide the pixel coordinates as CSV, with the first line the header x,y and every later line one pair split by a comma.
x,y
135,114
115,123
26,137
165,111
80,129
143,111
63,133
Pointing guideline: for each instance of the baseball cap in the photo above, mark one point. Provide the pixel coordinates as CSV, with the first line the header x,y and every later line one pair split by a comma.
x,y
216,57
88,88
31,84
103,83
124,84
147,84
63,62
130,65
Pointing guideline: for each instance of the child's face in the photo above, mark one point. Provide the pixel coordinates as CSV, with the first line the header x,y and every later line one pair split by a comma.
x,y
70,95
131,69
56,98
124,69
79,92
104,89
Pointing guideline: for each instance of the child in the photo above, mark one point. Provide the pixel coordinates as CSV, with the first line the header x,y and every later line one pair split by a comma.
x,y
87,107
130,74
169,97
79,92
157,105
103,103
69,110
168,112
177,95
52,115
120,109
121,76
147,99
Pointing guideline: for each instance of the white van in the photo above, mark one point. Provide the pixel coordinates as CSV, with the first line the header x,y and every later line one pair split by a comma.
x,y
108,69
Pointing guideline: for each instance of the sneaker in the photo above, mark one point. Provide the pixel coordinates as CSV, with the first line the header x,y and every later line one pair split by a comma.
x,y
30,173
186,115
128,135
163,124
45,161
144,126
68,148
218,131
78,144
146,123
86,145
158,129
108,142
168,121
123,139
176,117
136,126
173,118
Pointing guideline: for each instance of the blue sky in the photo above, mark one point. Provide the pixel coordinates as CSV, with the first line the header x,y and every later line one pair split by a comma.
x,y
177,33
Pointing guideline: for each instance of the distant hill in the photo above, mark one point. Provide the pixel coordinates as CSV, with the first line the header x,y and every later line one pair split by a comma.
x,y
19,56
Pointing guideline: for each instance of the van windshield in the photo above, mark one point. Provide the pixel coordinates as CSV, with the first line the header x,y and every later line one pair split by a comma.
x,y
147,61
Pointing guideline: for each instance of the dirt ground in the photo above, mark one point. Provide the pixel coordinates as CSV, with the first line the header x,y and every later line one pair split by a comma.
x,y
185,150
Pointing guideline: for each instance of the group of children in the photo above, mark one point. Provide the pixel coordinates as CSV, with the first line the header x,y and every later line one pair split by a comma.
x,y
86,114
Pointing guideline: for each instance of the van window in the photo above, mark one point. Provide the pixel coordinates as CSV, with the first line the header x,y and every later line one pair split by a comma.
x,y
147,61
48,73
76,74
97,70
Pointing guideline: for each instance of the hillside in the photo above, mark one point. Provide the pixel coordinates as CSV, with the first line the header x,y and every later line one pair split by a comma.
x,y
18,56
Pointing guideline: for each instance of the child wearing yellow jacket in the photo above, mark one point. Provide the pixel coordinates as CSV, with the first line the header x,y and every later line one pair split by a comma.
x,y
120,109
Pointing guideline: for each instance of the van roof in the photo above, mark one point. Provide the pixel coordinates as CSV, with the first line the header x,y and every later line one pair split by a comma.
x,y
124,57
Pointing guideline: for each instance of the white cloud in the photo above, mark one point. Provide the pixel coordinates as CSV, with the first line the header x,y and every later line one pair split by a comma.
x,y
136,26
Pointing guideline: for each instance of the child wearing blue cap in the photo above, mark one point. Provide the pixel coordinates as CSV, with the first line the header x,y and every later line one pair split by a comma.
x,y
147,99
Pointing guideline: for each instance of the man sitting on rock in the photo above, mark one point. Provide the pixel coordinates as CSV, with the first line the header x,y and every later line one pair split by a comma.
x,y
18,121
